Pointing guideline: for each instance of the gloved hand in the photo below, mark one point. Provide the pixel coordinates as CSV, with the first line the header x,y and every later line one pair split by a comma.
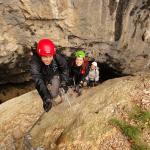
x,y
81,84
84,83
64,86
47,105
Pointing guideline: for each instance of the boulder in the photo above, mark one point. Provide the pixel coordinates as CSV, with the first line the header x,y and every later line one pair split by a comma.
x,y
17,117
84,125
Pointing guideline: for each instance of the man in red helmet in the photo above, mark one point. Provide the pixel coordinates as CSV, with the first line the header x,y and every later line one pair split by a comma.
x,y
49,71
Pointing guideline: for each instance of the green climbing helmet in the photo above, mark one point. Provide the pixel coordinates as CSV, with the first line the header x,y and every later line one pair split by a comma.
x,y
80,54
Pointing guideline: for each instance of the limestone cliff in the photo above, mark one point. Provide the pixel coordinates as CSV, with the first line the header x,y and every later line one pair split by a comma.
x,y
115,32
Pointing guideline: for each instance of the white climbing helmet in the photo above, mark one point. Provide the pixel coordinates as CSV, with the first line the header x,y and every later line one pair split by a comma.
x,y
94,63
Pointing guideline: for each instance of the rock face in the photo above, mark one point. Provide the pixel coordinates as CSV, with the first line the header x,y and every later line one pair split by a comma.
x,y
84,125
17,116
115,32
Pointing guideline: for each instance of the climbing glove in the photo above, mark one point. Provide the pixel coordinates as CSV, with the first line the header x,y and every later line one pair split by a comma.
x,y
47,105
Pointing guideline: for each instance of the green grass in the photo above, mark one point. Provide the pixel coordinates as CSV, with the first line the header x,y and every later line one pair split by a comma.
x,y
132,133
139,146
129,131
142,116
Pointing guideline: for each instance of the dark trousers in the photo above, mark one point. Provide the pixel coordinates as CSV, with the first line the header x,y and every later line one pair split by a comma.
x,y
92,83
53,86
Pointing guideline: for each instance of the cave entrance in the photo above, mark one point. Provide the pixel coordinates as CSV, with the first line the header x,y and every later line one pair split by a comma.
x,y
12,90
107,72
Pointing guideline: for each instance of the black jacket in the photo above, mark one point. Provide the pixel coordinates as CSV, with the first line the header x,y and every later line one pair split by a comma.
x,y
42,73
78,74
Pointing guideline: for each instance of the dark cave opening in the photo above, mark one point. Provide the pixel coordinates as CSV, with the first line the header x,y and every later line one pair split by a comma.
x,y
107,72
12,90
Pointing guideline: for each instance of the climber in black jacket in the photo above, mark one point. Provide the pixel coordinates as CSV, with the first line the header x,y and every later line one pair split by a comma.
x,y
49,71
78,70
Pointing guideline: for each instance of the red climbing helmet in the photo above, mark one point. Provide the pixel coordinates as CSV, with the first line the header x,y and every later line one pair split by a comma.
x,y
46,47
